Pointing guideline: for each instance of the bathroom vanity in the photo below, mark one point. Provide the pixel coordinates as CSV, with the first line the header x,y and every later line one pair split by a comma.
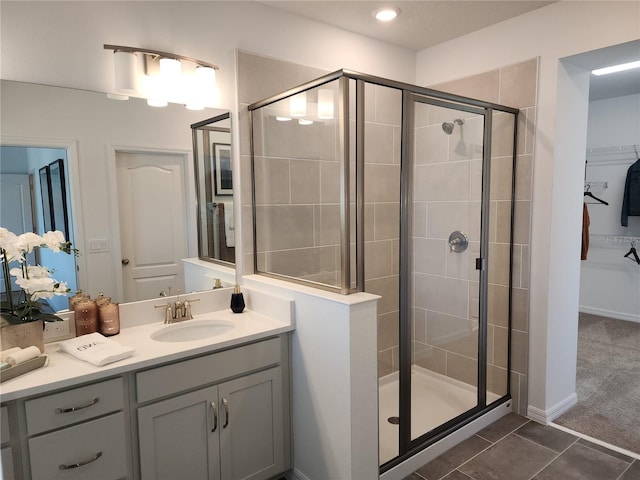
x,y
215,408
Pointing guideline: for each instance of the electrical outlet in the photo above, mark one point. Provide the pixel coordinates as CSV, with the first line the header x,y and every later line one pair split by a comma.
x,y
55,331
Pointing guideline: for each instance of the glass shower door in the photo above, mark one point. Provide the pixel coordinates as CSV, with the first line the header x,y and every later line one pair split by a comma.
x,y
444,347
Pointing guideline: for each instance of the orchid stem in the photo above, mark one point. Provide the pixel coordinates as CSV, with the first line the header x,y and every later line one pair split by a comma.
x,y
7,279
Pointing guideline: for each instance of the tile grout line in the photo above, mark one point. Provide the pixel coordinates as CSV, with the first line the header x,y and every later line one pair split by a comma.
x,y
483,450
558,455
619,477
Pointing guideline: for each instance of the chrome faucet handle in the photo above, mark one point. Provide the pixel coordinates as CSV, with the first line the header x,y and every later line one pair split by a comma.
x,y
187,308
168,314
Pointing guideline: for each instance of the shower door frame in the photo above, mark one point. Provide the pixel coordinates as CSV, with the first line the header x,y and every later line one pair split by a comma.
x,y
407,445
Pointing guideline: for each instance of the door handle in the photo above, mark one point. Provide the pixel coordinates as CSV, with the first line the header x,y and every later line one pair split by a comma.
x,y
226,413
125,261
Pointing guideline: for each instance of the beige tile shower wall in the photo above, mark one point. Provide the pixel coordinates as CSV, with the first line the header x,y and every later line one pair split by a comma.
x,y
515,86
447,192
260,77
383,117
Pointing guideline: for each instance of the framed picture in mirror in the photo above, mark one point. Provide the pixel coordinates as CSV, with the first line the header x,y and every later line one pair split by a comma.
x,y
58,195
223,179
45,193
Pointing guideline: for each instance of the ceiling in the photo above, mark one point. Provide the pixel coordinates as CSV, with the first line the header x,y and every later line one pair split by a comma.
x,y
425,23
421,23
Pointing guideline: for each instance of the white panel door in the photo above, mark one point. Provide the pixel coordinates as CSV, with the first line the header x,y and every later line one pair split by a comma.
x,y
15,209
153,226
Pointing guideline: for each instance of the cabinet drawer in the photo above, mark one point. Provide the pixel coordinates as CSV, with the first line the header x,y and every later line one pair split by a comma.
x,y
5,435
193,373
72,406
95,450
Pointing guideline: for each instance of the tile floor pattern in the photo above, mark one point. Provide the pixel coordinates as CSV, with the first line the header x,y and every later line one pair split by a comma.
x,y
515,448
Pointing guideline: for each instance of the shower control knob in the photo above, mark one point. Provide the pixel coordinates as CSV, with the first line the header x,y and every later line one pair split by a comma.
x,y
458,242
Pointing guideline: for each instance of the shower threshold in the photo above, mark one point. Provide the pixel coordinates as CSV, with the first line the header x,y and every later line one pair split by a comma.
x,y
436,399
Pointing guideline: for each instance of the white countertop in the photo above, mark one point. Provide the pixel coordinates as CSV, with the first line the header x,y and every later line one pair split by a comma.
x,y
64,370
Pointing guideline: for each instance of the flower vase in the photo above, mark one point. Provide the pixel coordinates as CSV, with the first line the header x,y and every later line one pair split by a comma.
x,y
22,335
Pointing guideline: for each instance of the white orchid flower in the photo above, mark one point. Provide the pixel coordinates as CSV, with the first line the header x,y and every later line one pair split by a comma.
x,y
37,288
53,240
29,240
10,243
33,272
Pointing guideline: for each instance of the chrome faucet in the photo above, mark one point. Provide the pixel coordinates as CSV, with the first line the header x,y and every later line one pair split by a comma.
x,y
178,311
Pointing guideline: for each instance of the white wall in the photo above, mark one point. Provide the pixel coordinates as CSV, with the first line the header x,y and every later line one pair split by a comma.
x,y
559,30
609,282
61,43
614,122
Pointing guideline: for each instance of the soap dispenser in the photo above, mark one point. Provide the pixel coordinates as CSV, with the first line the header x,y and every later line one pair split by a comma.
x,y
237,300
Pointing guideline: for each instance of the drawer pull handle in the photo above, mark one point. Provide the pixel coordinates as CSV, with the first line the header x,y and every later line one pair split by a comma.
x,y
80,464
226,413
73,409
214,409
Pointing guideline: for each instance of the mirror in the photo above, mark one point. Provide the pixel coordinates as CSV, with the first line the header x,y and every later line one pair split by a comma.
x,y
214,189
90,132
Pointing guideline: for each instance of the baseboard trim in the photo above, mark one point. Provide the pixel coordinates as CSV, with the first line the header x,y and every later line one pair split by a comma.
x,y
610,313
295,474
545,417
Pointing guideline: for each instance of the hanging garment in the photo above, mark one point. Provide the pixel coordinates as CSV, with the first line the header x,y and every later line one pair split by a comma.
x,y
585,232
631,197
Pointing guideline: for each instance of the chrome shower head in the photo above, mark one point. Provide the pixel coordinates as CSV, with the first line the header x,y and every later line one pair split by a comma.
x,y
447,127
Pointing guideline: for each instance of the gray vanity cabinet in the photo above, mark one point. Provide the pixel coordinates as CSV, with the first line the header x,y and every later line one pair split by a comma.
x,y
231,430
6,460
178,439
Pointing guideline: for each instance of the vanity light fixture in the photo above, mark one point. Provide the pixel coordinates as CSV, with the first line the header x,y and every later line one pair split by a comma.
x,y
616,68
163,77
325,104
298,105
386,14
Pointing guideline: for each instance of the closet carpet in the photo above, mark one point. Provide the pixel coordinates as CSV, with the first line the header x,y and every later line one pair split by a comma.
x,y
608,382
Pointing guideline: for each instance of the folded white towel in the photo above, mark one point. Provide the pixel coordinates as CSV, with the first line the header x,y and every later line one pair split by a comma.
x,y
95,348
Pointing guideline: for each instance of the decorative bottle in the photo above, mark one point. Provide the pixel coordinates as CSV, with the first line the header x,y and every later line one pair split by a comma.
x,y
86,313
237,300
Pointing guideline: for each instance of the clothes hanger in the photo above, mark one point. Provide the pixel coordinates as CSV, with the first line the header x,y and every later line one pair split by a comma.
x,y
587,193
634,253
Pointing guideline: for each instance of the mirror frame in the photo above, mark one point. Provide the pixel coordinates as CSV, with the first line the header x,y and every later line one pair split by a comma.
x,y
200,195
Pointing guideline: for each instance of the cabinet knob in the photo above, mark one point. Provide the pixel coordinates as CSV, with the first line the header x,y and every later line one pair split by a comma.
x,y
125,261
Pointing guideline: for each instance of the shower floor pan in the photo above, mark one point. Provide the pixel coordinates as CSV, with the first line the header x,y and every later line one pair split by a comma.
x,y
435,399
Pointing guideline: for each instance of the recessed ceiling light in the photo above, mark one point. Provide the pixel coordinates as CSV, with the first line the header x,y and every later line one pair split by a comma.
x,y
616,68
386,14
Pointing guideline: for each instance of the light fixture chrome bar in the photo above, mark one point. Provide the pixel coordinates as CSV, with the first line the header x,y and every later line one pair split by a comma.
x,y
158,53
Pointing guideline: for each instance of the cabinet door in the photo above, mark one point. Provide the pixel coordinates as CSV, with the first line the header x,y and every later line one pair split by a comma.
x,y
177,438
94,450
251,434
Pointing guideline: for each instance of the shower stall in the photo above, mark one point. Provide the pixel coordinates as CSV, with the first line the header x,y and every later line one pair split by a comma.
x,y
366,184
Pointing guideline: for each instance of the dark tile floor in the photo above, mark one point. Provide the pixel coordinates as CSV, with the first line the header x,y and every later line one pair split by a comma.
x,y
515,448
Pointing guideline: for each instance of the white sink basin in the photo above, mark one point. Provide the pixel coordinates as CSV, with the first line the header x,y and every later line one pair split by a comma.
x,y
191,330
